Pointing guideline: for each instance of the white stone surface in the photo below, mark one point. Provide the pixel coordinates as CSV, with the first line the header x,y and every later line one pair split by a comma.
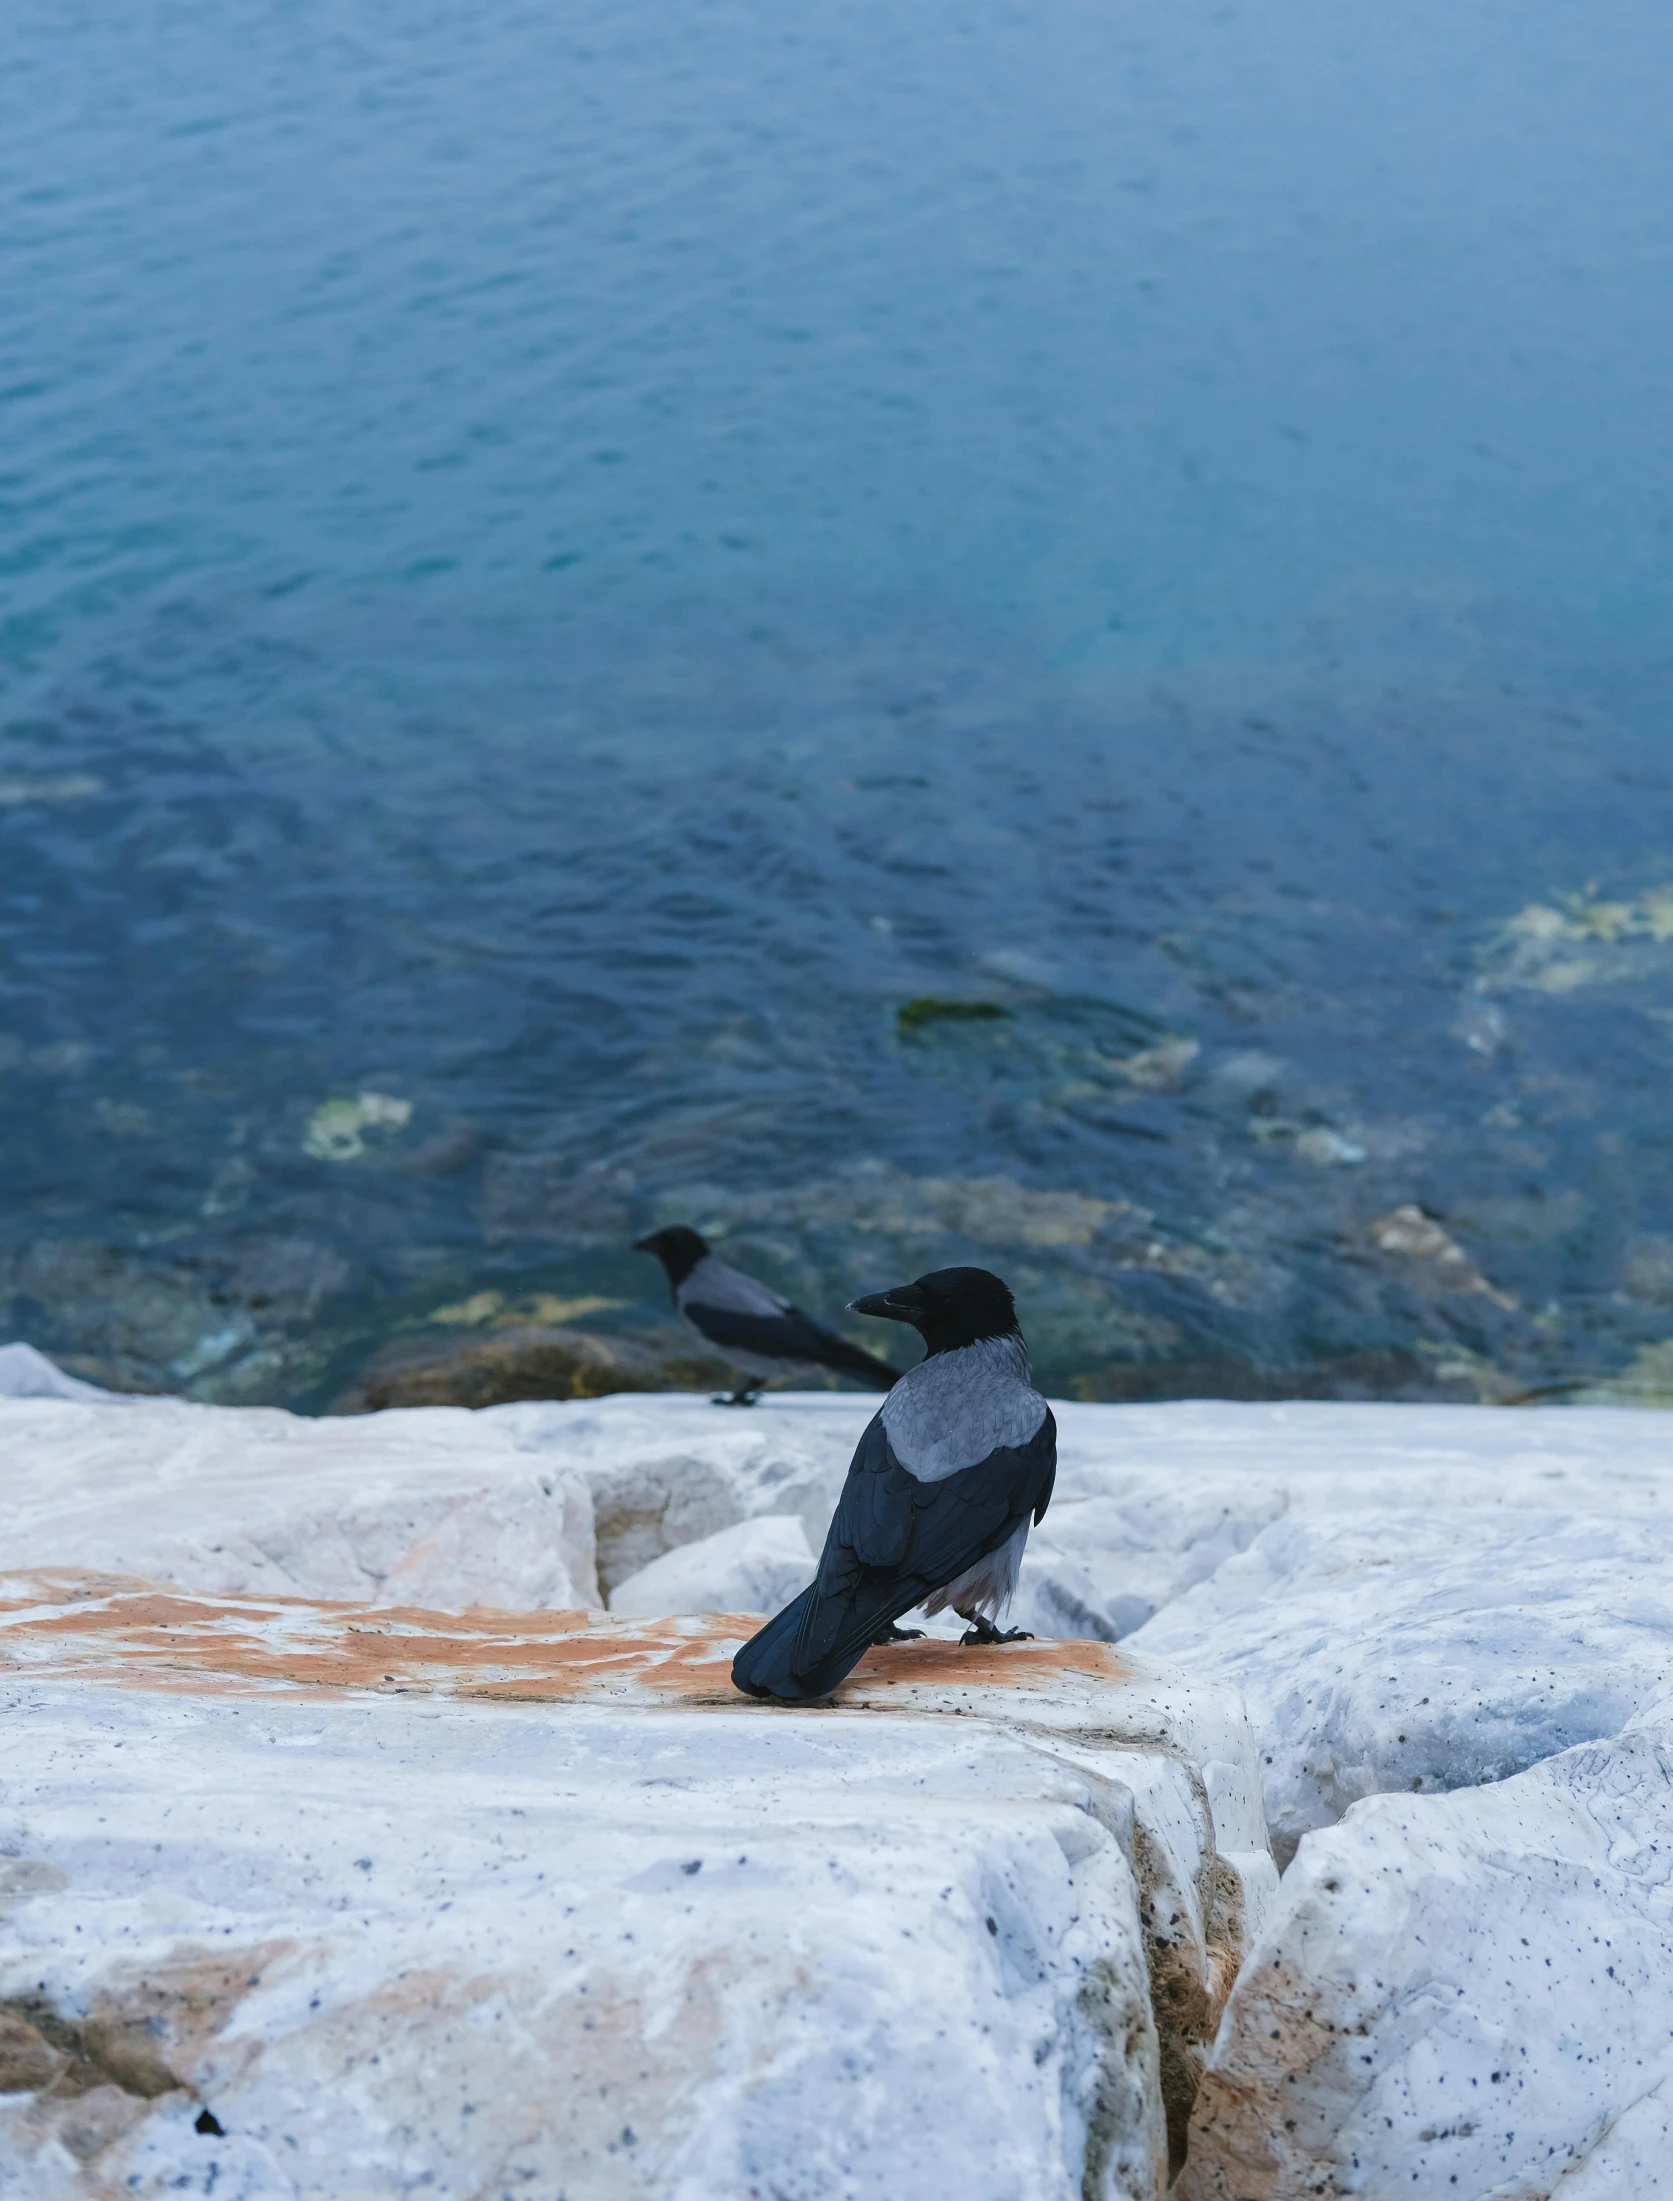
x,y
1470,1993
27,1374
640,1938
1431,1594
1390,1650
755,1566
1406,1595
432,1506
607,1956
1633,2161
669,1469
1152,1500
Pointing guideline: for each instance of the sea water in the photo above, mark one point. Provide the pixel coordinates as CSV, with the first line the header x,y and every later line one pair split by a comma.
x,y
570,576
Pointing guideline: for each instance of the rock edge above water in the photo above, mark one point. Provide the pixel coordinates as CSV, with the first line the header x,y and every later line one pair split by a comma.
x,y
1412,1600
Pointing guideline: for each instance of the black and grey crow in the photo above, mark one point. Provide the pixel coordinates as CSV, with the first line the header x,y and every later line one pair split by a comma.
x,y
758,1332
958,1459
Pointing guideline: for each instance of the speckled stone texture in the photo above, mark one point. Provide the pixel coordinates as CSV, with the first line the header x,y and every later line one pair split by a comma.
x,y
505,1903
1471,1994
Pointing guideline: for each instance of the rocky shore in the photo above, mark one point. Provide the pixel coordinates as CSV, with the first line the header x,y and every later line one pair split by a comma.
x,y
377,1816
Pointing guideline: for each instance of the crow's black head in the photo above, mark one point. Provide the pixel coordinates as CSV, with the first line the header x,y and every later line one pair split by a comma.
x,y
948,1308
679,1250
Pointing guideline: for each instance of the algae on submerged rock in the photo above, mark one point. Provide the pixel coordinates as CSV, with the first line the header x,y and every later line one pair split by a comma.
x,y
337,1129
529,1362
913,1015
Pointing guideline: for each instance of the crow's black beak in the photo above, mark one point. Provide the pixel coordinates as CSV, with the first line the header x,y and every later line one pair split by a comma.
x,y
644,1245
901,1303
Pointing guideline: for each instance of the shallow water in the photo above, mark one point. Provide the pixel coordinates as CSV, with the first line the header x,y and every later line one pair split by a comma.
x,y
561,567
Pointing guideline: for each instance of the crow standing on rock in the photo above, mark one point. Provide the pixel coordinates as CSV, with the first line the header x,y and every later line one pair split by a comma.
x,y
748,1325
959,1458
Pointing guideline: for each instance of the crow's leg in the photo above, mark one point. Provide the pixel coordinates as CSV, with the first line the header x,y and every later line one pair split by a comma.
x,y
982,1630
745,1395
892,1634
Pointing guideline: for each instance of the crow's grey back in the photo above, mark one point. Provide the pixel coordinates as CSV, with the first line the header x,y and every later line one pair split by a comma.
x,y
955,1408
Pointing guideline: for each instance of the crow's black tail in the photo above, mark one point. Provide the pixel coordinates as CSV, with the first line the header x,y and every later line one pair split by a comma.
x,y
763,1667
767,1665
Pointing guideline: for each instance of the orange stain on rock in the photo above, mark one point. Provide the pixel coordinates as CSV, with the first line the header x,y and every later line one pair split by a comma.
x,y
1006,1665
139,1636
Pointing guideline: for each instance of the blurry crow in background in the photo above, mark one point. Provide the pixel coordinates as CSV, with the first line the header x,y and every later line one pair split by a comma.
x,y
749,1325
959,1458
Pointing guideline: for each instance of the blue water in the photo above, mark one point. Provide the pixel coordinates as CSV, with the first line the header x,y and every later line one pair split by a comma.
x,y
560,566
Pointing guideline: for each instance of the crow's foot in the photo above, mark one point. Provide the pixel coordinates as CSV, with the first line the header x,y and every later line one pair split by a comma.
x,y
892,1634
982,1630
735,1398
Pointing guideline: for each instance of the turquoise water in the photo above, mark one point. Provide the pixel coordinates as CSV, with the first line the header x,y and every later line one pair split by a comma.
x,y
558,567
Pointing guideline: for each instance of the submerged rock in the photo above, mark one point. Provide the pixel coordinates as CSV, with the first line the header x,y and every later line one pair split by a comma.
x,y
490,1309
1581,940
1317,1143
545,1196
1321,1145
234,1321
912,1016
875,1200
1647,1380
337,1129
20,788
525,1362
1407,1231
1156,1068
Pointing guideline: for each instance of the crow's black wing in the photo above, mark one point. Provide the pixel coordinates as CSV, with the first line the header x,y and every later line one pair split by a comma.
x,y
787,1335
892,1540
1049,1484
962,1518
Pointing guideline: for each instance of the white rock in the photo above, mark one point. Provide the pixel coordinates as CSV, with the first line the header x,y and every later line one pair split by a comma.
x,y
1470,1993
1434,1595
1506,1569
433,1506
1399,1650
1405,1594
492,1969
668,1470
27,1374
1125,1532
1634,2159
641,1938
1152,1500
754,1567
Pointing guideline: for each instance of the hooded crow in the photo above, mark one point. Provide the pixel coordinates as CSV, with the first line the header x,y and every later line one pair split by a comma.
x,y
958,1459
745,1323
